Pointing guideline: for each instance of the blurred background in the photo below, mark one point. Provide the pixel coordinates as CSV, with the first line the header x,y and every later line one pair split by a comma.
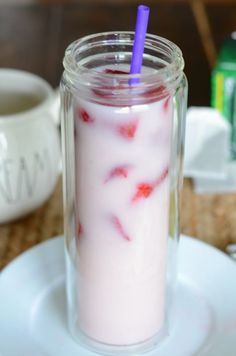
x,y
33,37
35,33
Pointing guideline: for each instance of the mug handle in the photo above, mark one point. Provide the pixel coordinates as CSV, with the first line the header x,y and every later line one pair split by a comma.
x,y
55,107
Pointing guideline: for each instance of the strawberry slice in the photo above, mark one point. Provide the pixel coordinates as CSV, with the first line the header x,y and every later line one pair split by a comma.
x,y
152,94
167,103
128,130
163,175
85,117
144,190
106,91
79,230
119,227
118,172
114,71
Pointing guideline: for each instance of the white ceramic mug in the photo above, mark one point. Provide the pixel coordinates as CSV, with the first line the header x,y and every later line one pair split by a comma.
x,y
29,143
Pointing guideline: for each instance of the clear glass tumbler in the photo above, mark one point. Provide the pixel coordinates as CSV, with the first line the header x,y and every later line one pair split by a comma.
x,y
122,150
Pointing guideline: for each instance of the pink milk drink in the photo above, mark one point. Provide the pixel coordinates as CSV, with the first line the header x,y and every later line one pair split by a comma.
x,y
122,147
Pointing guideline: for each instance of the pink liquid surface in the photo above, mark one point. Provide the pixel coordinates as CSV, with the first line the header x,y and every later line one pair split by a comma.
x,y
122,177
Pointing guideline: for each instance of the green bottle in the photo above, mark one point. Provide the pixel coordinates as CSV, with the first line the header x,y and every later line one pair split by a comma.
x,y
224,86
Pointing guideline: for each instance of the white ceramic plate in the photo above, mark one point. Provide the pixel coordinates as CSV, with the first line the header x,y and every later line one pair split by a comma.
x,y
33,316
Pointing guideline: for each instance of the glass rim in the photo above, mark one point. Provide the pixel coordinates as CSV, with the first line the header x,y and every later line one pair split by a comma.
x,y
176,64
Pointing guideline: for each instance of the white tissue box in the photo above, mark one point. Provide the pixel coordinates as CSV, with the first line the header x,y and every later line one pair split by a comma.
x,y
218,186
207,144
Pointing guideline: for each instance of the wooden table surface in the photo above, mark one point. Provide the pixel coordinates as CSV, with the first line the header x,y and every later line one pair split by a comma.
x,y
211,218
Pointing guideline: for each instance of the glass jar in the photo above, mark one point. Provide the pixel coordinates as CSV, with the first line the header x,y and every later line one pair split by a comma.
x,y
122,151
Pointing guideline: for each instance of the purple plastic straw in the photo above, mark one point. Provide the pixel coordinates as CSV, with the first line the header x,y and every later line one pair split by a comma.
x,y
139,41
